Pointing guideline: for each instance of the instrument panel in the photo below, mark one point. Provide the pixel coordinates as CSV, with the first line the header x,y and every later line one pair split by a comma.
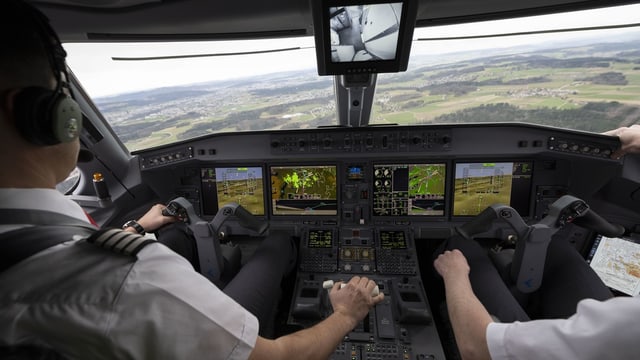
x,y
361,199
375,176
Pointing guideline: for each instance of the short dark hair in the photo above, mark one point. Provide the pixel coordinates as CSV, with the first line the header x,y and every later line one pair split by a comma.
x,y
24,60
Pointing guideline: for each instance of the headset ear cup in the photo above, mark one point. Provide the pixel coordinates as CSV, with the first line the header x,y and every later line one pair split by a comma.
x,y
46,118
29,108
66,119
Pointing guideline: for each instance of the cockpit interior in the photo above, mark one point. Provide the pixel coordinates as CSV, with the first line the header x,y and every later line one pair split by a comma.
x,y
370,131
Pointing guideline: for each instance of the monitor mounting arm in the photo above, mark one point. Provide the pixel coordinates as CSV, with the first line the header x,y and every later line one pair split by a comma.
x,y
354,98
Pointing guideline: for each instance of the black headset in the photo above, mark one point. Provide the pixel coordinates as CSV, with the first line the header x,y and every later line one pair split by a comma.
x,y
44,116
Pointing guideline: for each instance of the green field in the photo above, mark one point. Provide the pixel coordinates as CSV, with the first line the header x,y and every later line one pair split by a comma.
x,y
556,87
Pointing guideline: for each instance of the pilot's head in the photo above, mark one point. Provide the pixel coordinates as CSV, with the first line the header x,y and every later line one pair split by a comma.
x,y
39,121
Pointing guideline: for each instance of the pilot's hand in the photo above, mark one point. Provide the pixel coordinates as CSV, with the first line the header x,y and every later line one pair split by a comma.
x,y
354,298
154,220
451,264
630,139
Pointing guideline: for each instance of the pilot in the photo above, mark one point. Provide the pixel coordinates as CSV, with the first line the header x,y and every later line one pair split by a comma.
x,y
81,301
575,314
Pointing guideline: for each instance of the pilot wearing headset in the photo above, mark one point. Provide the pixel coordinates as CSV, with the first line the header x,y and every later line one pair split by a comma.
x,y
77,300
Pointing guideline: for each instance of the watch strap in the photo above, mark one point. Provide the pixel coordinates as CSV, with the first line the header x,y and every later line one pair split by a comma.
x,y
134,224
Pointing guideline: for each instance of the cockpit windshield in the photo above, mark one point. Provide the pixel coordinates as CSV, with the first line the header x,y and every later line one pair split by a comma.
x,y
577,70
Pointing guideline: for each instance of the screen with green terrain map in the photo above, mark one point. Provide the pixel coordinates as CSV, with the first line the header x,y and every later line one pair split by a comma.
x,y
304,190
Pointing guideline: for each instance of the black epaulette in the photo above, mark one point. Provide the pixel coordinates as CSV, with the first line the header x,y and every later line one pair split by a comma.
x,y
119,241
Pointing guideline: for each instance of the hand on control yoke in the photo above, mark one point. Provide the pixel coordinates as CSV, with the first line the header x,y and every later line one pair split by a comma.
x,y
155,218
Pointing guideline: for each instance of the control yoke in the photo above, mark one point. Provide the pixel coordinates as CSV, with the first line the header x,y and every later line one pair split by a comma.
x,y
532,240
208,235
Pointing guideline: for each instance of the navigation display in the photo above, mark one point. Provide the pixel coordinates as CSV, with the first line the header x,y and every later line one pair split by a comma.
x,y
409,189
223,185
479,185
617,263
304,190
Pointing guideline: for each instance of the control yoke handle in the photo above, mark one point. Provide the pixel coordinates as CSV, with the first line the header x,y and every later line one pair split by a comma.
x,y
532,240
245,218
207,234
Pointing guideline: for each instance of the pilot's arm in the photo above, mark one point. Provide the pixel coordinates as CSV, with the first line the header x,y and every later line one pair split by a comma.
x,y
468,316
350,303
599,329
152,220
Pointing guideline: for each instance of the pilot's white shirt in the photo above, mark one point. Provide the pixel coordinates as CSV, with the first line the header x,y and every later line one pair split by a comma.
x,y
599,330
89,303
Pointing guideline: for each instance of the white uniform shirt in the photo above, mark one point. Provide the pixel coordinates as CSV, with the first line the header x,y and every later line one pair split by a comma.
x,y
89,303
599,330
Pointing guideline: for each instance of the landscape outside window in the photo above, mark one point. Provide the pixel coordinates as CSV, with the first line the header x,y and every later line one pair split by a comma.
x,y
585,80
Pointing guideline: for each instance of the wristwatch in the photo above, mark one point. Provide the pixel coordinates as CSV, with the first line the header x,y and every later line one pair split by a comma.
x,y
134,224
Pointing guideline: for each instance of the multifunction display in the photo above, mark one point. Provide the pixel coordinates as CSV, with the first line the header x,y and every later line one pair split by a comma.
x,y
304,190
479,185
409,189
239,184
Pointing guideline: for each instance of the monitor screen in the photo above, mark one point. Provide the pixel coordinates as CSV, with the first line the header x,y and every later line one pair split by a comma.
x,y
393,239
479,185
304,190
616,261
242,185
322,239
363,36
409,189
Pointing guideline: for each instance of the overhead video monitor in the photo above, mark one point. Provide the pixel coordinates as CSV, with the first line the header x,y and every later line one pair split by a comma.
x,y
479,185
242,185
615,260
363,36
409,189
304,190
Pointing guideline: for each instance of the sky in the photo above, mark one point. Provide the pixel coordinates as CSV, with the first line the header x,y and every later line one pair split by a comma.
x,y
102,76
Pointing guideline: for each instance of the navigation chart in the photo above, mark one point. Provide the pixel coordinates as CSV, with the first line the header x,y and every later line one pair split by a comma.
x,y
617,262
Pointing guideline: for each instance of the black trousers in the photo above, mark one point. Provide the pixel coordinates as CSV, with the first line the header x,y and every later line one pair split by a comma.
x,y
257,285
567,279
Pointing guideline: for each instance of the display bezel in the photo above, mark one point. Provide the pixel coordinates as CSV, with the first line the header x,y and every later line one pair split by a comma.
x,y
211,201
330,206
322,35
520,200
442,200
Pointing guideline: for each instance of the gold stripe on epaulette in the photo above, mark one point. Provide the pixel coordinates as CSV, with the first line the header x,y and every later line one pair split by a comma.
x,y
119,241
